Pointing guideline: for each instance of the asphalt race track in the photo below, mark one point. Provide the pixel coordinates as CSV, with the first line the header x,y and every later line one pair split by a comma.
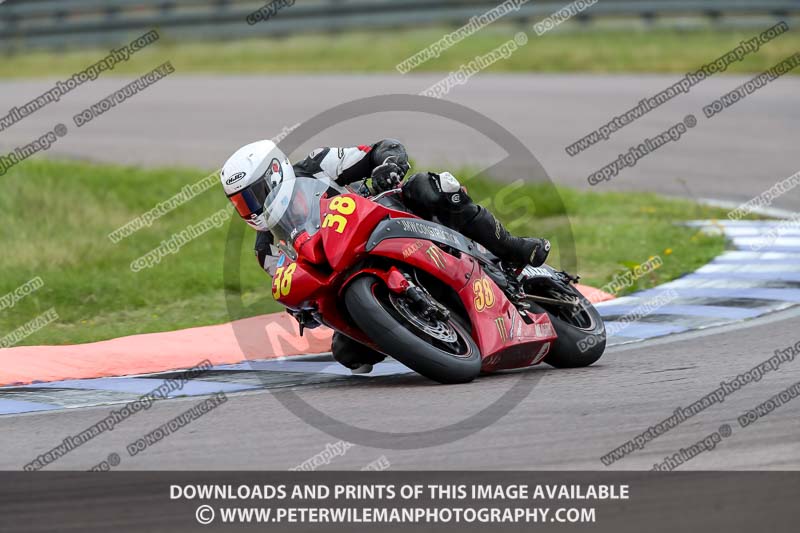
x,y
569,418
200,120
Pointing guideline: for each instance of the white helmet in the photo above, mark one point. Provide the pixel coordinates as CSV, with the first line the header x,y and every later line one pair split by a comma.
x,y
250,174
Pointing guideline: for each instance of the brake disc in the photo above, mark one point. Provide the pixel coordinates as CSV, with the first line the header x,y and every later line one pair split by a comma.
x,y
439,330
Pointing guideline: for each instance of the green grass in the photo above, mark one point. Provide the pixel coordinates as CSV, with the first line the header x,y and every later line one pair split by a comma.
x,y
608,232
56,216
597,50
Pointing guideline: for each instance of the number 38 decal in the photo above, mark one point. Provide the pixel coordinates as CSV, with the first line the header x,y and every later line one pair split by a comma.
x,y
282,282
484,295
341,204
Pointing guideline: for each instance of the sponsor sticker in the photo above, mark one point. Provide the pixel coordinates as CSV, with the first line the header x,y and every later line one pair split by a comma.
x,y
236,177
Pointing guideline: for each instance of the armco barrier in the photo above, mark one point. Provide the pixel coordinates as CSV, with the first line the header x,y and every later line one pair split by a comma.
x,y
28,24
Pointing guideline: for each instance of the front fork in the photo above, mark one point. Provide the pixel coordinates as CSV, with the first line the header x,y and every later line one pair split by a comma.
x,y
402,284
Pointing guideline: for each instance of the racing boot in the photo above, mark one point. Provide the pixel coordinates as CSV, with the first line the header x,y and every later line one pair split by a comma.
x,y
354,355
490,232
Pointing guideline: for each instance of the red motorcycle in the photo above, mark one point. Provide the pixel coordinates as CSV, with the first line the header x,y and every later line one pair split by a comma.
x,y
418,291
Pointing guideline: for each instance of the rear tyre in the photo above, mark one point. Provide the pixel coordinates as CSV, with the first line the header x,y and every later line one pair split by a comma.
x,y
581,333
441,351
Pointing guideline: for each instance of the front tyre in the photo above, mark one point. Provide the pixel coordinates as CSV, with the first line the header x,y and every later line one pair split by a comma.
x,y
439,350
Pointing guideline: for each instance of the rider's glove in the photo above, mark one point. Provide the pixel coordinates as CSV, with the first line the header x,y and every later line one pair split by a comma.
x,y
388,175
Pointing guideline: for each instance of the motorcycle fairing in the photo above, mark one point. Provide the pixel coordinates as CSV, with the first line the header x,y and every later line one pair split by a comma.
x,y
419,228
504,338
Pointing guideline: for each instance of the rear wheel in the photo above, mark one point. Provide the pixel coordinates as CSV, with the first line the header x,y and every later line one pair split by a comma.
x,y
581,332
439,350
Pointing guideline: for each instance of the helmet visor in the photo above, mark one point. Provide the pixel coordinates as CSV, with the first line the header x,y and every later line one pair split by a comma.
x,y
249,202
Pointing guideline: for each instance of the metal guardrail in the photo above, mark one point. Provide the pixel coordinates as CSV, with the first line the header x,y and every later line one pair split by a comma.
x,y
28,24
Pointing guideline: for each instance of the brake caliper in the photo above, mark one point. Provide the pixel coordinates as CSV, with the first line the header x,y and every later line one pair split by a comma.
x,y
429,308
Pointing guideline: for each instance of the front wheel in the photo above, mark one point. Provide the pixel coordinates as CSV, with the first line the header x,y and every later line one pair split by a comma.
x,y
439,350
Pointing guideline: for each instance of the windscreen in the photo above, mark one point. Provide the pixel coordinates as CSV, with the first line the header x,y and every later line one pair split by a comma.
x,y
294,207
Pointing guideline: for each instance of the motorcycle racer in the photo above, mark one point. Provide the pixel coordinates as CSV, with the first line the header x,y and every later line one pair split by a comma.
x,y
257,168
